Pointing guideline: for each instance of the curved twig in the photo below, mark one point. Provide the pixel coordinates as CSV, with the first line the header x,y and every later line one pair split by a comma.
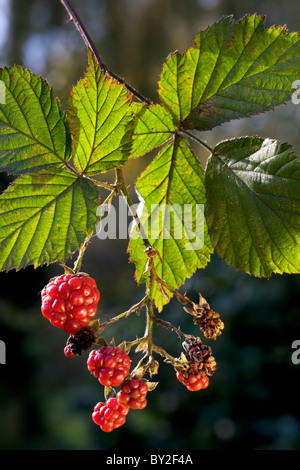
x,y
89,43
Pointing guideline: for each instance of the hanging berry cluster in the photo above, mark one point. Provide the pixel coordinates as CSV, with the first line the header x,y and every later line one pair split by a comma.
x,y
70,302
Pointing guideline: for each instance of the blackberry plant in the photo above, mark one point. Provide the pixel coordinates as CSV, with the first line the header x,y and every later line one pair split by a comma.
x,y
245,203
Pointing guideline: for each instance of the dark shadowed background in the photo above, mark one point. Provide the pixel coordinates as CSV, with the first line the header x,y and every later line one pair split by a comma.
x,y
46,400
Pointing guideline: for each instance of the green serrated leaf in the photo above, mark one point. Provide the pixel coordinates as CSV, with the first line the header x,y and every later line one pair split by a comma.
x,y
253,205
168,86
33,130
233,70
153,127
172,186
44,217
101,121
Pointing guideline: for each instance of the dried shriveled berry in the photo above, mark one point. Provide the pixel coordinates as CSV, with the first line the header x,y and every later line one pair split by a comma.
x,y
200,357
80,342
209,321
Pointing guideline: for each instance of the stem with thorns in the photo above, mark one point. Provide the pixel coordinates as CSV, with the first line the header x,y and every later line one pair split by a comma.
x,y
124,191
137,307
164,354
171,327
89,43
111,187
83,32
150,314
182,298
78,262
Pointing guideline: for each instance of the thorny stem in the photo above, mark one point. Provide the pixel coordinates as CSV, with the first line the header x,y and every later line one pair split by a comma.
x,y
111,187
123,189
147,363
150,314
182,298
109,197
171,327
78,262
137,307
83,32
89,43
151,318
129,344
163,353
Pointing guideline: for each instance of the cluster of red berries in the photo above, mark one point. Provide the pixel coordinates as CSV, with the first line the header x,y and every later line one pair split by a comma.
x,y
70,301
193,381
111,366
112,414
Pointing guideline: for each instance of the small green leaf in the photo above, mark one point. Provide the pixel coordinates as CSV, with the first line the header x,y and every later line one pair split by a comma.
x,y
33,130
101,121
233,70
172,188
153,127
44,217
253,205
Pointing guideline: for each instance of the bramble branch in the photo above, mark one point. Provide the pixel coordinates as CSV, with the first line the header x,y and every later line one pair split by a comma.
x,y
111,187
124,191
83,32
165,286
171,327
90,45
135,308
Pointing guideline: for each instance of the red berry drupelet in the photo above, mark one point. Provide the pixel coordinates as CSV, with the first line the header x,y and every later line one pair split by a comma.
x,y
110,364
110,415
68,352
70,301
193,381
133,394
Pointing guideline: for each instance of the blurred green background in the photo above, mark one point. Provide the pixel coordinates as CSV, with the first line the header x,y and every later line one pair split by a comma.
x,y
46,400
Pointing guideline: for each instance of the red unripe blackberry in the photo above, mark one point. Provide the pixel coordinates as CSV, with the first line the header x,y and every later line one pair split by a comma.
x,y
110,364
193,381
68,353
133,394
70,301
110,415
